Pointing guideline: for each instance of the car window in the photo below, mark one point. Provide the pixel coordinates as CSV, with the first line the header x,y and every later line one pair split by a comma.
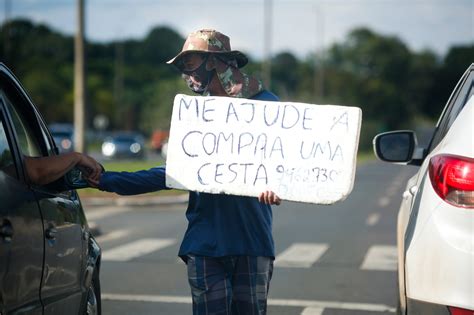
x,y
466,91
49,145
7,164
27,140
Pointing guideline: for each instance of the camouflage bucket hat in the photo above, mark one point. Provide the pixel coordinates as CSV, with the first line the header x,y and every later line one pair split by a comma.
x,y
210,41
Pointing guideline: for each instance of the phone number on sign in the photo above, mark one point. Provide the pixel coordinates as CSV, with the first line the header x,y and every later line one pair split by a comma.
x,y
314,175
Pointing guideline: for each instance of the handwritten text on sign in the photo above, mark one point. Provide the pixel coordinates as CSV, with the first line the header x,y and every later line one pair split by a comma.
x,y
303,152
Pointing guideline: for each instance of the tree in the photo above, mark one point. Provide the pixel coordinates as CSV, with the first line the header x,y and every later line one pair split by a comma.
x,y
380,66
130,83
455,63
285,68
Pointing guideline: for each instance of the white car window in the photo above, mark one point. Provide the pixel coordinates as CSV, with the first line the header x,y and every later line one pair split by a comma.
x,y
456,104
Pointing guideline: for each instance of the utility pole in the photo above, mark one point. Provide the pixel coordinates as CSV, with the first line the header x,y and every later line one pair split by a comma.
x,y
267,63
79,81
319,66
118,80
6,32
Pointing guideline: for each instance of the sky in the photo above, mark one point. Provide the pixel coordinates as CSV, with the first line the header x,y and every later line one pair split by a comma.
x,y
297,26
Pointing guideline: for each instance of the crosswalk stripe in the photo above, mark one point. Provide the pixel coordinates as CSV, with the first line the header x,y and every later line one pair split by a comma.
x,y
313,305
105,212
381,257
135,249
383,202
372,219
301,255
312,311
112,236
298,255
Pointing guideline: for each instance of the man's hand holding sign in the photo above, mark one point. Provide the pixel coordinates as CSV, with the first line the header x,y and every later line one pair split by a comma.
x,y
301,152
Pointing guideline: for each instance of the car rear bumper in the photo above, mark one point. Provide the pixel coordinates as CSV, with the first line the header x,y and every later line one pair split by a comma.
x,y
439,262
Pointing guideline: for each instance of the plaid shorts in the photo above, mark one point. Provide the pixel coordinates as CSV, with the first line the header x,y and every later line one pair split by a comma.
x,y
231,285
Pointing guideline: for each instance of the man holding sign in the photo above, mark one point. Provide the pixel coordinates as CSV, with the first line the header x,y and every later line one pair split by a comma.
x,y
228,246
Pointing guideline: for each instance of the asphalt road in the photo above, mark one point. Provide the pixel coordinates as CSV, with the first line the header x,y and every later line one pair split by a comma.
x,y
338,259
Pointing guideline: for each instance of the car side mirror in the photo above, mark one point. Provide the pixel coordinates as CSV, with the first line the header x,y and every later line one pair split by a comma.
x,y
398,147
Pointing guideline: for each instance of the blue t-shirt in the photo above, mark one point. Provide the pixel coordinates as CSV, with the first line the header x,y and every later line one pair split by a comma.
x,y
219,225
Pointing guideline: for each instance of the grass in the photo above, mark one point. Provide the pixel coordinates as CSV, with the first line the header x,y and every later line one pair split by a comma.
x,y
131,166
125,166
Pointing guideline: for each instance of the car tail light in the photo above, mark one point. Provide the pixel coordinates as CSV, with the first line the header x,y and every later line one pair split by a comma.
x,y
460,311
452,178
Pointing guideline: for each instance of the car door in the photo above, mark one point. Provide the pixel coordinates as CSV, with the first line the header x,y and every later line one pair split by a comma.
x,y
65,250
63,222
21,228
461,94
61,290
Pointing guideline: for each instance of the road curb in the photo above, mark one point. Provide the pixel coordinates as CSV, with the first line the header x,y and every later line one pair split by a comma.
x,y
134,201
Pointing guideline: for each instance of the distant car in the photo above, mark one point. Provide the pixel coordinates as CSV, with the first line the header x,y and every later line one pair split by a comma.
x,y
49,260
124,145
158,139
63,135
435,228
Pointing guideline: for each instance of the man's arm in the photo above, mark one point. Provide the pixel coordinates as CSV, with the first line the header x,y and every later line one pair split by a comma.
x,y
44,170
154,179
133,183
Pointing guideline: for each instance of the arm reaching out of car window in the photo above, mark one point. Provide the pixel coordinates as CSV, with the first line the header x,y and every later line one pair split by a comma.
x,y
44,170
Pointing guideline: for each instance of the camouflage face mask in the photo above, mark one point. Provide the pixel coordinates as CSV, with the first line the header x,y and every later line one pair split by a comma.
x,y
198,80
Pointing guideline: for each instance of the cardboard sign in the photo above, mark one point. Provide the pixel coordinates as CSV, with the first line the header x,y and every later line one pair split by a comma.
x,y
302,152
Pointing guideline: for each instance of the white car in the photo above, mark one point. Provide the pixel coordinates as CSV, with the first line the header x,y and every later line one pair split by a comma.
x,y
435,228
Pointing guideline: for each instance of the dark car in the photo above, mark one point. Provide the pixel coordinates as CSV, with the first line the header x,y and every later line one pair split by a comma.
x,y
49,261
63,135
124,145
